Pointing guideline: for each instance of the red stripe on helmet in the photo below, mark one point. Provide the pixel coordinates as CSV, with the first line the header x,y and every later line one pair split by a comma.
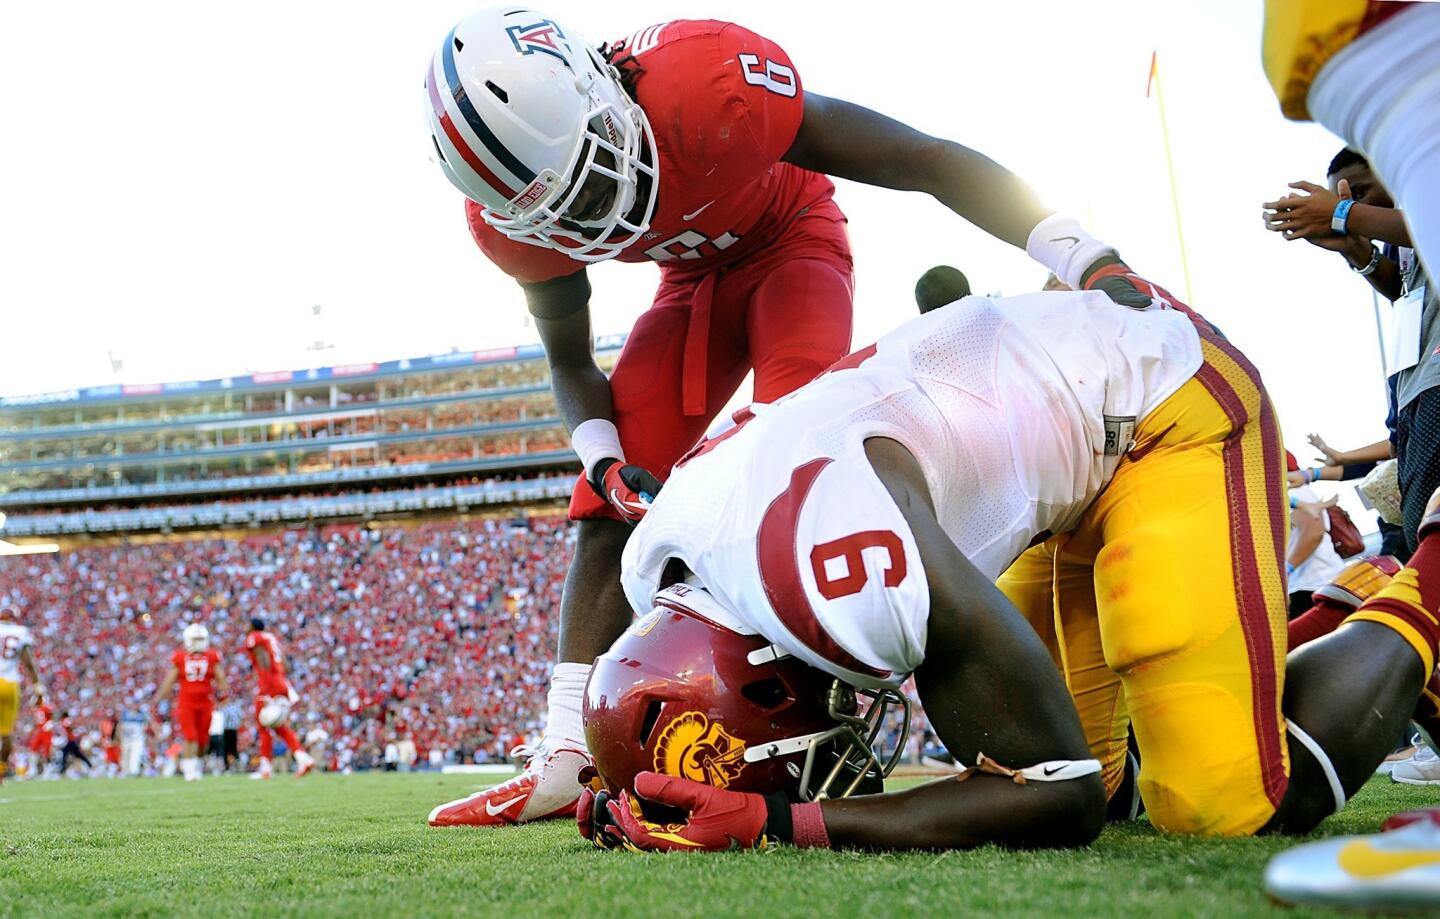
x,y
463,147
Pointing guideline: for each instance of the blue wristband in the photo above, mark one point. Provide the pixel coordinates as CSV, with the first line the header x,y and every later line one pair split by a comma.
x,y
1341,215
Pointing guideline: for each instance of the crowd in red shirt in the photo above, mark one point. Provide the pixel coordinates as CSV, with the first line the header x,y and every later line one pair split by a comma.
x,y
442,633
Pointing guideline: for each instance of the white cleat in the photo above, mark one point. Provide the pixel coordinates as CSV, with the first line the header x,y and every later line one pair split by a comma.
x,y
1395,871
1421,769
304,764
547,788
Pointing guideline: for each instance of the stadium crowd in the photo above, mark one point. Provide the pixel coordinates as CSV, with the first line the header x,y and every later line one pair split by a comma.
x,y
439,633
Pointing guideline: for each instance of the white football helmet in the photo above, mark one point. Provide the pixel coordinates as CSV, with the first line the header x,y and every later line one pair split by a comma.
x,y
275,711
196,638
526,116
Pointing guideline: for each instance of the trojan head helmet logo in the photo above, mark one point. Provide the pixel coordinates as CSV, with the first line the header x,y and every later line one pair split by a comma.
x,y
694,747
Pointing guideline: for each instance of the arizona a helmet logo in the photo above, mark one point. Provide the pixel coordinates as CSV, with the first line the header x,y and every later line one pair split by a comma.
x,y
694,747
543,36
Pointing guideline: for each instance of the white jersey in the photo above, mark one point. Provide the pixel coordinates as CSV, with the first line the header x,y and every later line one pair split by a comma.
x,y
1018,411
13,637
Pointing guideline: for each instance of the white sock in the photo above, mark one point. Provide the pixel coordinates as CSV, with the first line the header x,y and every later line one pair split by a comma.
x,y
303,758
187,767
567,694
265,764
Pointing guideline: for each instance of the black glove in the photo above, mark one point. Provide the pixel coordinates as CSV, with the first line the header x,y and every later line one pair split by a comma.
x,y
628,488
1119,286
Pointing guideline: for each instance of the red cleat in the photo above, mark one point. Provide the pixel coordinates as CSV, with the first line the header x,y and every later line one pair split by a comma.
x,y
546,789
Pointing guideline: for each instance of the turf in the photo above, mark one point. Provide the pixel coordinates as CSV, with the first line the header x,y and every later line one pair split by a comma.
x,y
358,846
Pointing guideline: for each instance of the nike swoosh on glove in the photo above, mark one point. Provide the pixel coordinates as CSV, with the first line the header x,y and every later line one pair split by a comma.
x,y
716,820
628,488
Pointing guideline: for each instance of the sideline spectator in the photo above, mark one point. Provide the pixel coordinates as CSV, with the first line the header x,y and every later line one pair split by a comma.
x,y
1345,218
1311,560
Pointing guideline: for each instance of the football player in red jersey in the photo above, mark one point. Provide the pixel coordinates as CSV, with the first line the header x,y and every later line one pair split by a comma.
x,y
694,145
42,739
196,667
273,698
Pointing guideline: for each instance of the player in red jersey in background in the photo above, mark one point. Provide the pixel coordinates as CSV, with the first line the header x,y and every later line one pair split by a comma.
x,y
196,667
691,144
42,739
273,697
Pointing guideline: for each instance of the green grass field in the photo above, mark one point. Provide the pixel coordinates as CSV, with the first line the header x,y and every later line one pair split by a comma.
x,y
358,846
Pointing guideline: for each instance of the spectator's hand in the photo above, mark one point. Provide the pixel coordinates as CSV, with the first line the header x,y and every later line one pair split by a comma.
x,y
1304,216
1315,509
1332,456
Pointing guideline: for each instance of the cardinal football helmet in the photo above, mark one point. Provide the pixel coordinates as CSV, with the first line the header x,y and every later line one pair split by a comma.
x,y
688,690
526,116
196,638
9,614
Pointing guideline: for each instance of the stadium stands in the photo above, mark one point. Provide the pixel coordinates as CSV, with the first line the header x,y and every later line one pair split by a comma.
x,y
448,628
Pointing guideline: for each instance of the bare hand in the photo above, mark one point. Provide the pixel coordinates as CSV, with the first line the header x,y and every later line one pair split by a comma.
x,y
1304,216
1332,456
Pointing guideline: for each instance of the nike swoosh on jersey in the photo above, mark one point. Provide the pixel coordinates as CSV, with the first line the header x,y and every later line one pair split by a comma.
x,y
1365,860
696,213
495,810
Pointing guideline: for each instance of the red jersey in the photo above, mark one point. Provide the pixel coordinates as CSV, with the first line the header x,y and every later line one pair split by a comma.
x,y
725,105
42,719
197,674
67,725
270,682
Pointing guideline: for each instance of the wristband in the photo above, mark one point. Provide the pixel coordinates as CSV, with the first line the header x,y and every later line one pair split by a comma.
x,y
1341,215
809,826
596,439
1370,267
1294,502
1312,474
1058,243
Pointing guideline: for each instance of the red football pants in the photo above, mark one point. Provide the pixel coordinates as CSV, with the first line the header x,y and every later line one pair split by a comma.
x,y
194,720
785,313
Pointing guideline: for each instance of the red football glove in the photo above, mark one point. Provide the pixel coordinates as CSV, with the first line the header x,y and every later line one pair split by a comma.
x,y
592,817
718,820
1121,284
628,488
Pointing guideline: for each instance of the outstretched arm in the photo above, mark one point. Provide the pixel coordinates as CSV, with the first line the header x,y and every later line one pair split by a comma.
x,y
842,139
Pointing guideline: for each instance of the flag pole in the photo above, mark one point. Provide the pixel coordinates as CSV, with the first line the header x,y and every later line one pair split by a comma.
x,y
1154,79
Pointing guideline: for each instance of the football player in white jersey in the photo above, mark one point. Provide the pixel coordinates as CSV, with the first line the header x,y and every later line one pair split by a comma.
x,y
15,656
1120,472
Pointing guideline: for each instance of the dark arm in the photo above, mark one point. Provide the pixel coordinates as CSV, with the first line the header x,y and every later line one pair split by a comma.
x,y
167,684
561,308
1358,251
1386,224
261,659
988,686
852,142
